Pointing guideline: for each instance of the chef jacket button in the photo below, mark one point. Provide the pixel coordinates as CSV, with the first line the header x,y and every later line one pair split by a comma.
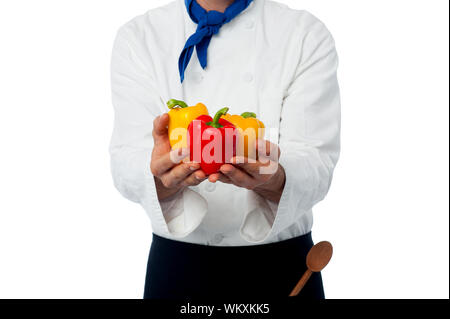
x,y
248,77
217,239
249,24
198,77
210,187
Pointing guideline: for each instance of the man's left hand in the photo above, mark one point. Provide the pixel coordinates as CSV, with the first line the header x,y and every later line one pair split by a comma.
x,y
264,176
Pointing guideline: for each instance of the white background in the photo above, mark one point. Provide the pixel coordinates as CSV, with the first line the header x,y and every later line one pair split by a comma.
x,y
65,232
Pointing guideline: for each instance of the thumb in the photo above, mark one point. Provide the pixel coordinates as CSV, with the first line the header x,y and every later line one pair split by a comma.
x,y
160,133
269,150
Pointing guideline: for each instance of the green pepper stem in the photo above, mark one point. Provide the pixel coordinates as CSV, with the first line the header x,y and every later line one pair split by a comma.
x,y
246,115
215,122
176,103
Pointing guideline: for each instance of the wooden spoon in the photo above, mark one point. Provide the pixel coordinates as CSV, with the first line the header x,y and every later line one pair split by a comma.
x,y
318,257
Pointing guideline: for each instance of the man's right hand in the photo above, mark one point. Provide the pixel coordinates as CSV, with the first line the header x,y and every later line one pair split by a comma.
x,y
170,175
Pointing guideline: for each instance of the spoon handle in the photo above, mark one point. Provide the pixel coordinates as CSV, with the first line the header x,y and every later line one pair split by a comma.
x,y
301,283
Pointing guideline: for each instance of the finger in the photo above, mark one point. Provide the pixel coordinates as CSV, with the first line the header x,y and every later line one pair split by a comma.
x,y
260,171
214,177
237,176
178,174
160,133
268,150
225,179
219,177
167,161
195,178
251,167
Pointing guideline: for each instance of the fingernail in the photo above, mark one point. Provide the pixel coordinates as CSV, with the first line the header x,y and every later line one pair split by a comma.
x,y
261,146
193,167
176,155
185,151
227,170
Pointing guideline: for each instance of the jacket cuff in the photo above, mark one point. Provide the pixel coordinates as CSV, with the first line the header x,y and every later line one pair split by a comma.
x,y
185,213
265,219
258,220
180,217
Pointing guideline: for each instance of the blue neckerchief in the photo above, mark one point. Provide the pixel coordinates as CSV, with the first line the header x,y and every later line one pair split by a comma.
x,y
209,24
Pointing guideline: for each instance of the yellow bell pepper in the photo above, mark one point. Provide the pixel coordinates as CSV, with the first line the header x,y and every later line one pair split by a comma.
x,y
250,129
180,116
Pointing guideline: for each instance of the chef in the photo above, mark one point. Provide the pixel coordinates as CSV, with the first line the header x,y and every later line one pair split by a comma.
x,y
241,231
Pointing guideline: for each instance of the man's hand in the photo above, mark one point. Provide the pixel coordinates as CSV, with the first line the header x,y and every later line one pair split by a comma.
x,y
170,174
265,176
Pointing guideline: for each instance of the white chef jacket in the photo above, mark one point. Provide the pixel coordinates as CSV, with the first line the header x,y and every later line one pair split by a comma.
x,y
272,60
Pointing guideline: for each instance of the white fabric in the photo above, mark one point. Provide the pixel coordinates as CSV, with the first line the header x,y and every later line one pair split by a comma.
x,y
277,62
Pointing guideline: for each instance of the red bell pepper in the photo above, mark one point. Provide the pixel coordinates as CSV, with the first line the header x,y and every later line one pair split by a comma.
x,y
212,142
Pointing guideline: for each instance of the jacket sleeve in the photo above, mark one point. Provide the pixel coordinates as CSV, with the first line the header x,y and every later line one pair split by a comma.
x,y
309,139
136,104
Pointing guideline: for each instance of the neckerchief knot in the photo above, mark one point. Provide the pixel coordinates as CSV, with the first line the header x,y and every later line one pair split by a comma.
x,y
208,24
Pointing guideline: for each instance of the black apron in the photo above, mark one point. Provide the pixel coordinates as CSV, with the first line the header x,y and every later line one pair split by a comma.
x,y
178,270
